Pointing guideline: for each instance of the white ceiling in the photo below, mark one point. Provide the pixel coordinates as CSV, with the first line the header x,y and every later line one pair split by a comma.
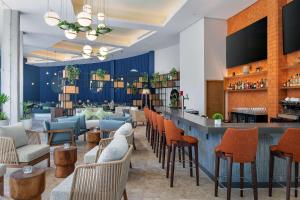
x,y
39,36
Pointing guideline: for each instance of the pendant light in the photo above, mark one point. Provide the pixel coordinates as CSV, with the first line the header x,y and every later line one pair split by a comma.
x,y
51,18
70,34
84,19
91,35
103,51
87,49
100,57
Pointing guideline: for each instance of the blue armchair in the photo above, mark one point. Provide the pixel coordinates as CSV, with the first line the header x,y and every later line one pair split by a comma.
x,y
62,132
126,118
81,129
106,126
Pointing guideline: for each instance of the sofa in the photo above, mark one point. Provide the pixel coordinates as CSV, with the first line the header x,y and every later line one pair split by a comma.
x,y
81,129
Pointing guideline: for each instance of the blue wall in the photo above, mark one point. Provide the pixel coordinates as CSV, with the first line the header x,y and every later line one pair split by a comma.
x,y
117,69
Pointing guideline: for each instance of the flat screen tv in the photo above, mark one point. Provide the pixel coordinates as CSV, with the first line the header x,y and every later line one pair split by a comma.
x,y
291,27
247,45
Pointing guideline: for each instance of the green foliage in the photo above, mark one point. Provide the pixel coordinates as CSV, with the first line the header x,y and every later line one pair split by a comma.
x,y
164,81
155,79
218,116
26,110
3,116
100,73
145,78
134,90
3,99
173,100
72,73
173,72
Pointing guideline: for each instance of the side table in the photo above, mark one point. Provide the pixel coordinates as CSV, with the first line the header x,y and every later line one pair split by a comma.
x,y
93,138
65,160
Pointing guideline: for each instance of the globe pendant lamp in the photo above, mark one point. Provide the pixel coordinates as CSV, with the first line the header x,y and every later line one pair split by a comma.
x,y
91,35
100,57
101,16
103,51
86,56
84,19
70,34
87,49
87,8
51,18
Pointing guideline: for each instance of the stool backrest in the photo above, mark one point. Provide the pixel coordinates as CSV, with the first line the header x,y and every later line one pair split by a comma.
x,y
172,132
289,143
160,124
153,119
241,144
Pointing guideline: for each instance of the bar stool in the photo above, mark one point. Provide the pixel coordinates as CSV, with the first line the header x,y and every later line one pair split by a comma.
x,y
174,139
288,148
161,140
153,130
239,146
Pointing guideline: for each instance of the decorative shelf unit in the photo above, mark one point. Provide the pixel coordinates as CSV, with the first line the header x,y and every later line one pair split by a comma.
x,y
290,88
297,66
261,73
163,89
136,83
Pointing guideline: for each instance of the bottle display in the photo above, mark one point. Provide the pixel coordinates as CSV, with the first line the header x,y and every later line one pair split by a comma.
x,y
293,81
248,85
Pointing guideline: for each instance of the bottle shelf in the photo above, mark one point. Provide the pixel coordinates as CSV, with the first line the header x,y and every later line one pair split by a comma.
x,y
247,75
291,67
288,88
248,90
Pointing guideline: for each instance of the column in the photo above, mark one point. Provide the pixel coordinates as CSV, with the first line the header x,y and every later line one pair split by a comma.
x,y
10,63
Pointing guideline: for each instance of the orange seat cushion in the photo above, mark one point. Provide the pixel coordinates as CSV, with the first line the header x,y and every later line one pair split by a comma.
x,y
189,139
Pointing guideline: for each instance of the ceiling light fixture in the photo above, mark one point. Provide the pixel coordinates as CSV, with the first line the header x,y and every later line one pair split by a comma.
x,y
84,20
87,52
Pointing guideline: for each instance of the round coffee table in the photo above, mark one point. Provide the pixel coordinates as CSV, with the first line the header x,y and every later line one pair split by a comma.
x,y
93,138
65,160
27,186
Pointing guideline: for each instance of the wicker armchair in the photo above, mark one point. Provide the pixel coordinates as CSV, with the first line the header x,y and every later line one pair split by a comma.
x,y
10,155
101,181
138,116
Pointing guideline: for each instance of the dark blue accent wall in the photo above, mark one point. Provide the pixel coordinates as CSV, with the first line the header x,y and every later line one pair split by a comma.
x,y
48,80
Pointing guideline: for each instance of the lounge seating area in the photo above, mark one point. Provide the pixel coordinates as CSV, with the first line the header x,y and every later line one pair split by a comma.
x,y
149,100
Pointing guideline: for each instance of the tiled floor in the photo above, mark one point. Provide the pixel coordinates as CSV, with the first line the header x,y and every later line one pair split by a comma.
x,y
147,180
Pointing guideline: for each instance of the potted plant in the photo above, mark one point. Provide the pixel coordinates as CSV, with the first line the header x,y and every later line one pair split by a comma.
x,y
173,74
155,80
72,73
143,78
26,119
3,118
102,75
164,82
218,117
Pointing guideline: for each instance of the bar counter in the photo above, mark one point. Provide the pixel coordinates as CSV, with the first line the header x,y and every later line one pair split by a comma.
x,y
210,136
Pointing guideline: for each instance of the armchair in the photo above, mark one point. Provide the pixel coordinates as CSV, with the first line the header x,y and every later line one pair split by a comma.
x,y
61,132
19,147
2,173
106,126
137,116
108,181
81,128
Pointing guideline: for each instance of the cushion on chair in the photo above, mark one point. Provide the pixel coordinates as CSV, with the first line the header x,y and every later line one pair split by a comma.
x,y
60,138
2,170
110,125
74,118
90,156
116,150
16,132
119,118
92,123
31,152
63,190
124,130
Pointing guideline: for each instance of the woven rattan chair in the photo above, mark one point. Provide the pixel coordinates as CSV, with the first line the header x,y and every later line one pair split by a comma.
x,y
101,181
10,155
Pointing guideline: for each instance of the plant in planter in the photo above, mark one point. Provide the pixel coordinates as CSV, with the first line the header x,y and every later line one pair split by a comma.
x,y
155,80
72,73
144,78
26,119
218,117
173,73
100,73
164,81
3,118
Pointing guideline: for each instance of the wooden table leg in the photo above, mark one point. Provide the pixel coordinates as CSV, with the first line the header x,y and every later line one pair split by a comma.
x,y
2,186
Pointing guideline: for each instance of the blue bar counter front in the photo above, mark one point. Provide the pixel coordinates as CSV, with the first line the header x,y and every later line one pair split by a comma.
x,y
210,136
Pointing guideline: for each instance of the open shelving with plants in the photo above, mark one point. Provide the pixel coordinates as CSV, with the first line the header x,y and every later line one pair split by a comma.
x,y
164,84
134,88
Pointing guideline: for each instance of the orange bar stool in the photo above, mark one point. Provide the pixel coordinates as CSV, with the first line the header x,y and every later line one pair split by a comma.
x,y
154,130
239,146
161,140
288,148
151,127
175,139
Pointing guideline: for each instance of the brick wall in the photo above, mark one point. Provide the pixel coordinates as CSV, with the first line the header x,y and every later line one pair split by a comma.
x,y
275,60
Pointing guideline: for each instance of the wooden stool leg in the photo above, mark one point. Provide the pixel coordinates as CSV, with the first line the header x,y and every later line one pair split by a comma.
x,y
271,172
179,154
217,172
288,177
296,178
229,176
125,195
157,143
254,180
173,164
163,152
168,160
2,186
191,161
197,164
154,140
183,157
241,179
160,148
